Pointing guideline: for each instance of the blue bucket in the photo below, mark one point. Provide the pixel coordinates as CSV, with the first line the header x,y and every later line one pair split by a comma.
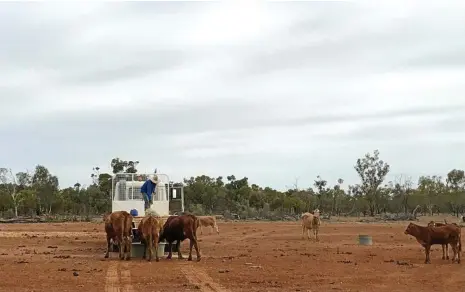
x,y
134,213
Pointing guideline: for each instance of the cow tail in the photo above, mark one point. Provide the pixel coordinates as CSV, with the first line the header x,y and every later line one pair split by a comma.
x,y
460,241
123,244
125,226
149,240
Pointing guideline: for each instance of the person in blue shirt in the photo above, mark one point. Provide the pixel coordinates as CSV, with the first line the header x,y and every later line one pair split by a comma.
x,y
147,189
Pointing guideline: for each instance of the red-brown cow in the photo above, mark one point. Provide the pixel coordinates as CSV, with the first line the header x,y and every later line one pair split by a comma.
x,y
178,228
429,235
118,227
445,247
149,229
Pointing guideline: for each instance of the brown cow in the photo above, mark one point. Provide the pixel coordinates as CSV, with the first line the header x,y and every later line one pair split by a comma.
x,y
429,235
149,229
178,228
311,221
207,221
445,247
118,227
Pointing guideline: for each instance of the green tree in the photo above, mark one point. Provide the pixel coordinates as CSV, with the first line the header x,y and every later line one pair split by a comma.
x,y
372,172
46,186
456,188
8,181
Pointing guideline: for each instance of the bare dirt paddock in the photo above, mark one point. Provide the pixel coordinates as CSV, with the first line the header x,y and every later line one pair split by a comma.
x,y
244,257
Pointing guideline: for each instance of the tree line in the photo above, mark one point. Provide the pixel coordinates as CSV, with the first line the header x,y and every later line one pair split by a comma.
x,y
38,192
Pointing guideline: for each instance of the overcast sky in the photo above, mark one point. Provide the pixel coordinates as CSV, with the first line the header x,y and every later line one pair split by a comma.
x,y
273,91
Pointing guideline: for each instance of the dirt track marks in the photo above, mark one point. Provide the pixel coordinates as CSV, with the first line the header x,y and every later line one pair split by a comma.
x,y
197,276
126,278
112,279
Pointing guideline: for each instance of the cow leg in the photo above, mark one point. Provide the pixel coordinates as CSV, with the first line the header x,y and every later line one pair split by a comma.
x,y
107,254
127,243
447,251
144,256
121,248
201,232
315,231
454,251
194,242
427,250
308,233
217,230
458,255
155,242
170,250
444,246
178,246
191,244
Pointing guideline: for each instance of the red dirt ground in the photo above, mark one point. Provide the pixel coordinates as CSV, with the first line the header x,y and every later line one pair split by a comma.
x,y
244,257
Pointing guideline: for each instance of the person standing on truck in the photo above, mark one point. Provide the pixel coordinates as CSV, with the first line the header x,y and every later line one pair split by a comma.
x,y
147,189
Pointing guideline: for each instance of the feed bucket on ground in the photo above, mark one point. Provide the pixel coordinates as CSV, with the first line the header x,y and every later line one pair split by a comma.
x,y
137,250
365,240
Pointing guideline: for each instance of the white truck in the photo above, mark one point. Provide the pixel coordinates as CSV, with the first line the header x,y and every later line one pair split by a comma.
x,y
126,194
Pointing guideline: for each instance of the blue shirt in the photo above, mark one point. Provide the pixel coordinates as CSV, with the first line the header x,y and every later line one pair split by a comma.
x,y
148,188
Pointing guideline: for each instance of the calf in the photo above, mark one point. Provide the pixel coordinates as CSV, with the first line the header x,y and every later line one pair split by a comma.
x,y
311,221
118,227
430,235
178,228
149,229
208,221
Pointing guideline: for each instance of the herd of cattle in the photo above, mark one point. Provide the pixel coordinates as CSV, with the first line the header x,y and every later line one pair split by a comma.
x,y
152,230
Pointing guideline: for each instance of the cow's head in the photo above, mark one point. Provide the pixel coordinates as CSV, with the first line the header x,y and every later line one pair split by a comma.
x,y
410,229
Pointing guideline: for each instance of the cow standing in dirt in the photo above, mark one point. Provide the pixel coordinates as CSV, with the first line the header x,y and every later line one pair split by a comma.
x,y
445,247
430,235
311,222
178,228
118,227
208,221
149,229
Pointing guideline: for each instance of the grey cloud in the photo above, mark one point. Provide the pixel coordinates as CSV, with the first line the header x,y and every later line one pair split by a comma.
x,y
142,127
215,116
408,133
131,65
31,43
82,136
450,57
24,44
165,7
377,115
402,44
452,124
